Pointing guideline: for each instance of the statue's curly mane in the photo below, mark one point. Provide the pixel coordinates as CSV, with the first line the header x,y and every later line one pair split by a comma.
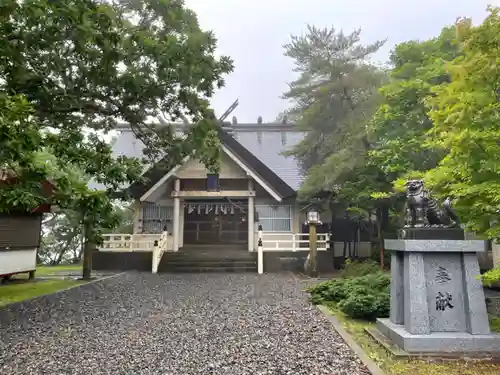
x,y
417,191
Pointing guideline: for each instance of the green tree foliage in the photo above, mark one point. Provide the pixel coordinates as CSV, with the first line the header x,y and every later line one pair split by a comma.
x,y
466,123
398,130
62,237
333,98
70,71
62,234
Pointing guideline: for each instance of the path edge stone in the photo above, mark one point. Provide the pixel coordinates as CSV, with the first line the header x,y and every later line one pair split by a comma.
x,y
10,305
367,361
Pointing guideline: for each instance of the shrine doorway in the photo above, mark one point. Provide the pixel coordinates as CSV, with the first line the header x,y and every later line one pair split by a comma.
x,y
215,222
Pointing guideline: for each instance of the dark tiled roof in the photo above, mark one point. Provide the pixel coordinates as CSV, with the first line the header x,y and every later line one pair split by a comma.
x,y
268,146
260,145
257,165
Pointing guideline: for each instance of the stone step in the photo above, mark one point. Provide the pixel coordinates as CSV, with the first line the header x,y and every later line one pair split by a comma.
x,y
226,260
207,264
208,269
223,255
212,247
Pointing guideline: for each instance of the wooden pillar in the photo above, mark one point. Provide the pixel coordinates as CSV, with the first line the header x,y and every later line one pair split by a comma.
x,y
250,217
313,272
181,224
177,215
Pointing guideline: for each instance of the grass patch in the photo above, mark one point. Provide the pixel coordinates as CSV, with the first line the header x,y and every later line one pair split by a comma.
x,y
50,270
22,290
42,271
393,366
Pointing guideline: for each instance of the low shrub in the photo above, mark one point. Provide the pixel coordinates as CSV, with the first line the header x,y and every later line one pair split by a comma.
x,y
359,268
362,297
491,277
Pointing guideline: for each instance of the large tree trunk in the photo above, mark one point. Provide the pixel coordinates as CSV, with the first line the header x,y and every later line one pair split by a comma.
x,y
87,255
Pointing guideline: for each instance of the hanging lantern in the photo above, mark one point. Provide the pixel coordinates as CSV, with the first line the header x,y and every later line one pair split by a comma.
x,y
313,216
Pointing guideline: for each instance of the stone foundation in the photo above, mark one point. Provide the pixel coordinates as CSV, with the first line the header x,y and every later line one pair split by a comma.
x,y
438,342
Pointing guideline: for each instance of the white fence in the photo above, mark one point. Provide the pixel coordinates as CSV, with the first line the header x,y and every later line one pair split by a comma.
x,y
156,243
159,250
129,242
159,243
282,241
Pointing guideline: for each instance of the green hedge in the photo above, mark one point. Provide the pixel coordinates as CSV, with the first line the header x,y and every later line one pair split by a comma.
x,y
362,297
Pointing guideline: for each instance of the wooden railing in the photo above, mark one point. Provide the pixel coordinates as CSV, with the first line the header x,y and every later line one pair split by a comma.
x,y
283,241
158,251
156,243
129,242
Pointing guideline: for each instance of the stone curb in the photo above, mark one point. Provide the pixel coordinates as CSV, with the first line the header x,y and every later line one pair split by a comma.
x,y
3,307
370,365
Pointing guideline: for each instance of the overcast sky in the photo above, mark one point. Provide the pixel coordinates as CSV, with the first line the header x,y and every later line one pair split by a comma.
x,y
253,33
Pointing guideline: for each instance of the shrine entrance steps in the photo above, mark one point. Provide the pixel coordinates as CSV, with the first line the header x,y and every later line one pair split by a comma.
x,y
209,258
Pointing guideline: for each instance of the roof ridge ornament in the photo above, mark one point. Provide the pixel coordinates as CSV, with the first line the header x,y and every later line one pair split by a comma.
x,y
228,111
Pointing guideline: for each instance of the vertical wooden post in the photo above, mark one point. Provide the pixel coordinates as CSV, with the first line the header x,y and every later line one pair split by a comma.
x,y
250,217
154,267
260,253
312,250
177,215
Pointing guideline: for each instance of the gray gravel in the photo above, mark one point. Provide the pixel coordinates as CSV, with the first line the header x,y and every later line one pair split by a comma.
x,y
234,324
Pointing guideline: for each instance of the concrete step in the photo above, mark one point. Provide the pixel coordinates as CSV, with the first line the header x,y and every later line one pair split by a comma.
x,y
214,247
188,269
207,266
209,261
222,255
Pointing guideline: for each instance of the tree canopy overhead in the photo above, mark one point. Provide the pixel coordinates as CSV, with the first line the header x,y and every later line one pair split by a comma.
x,y
333,98
466,123
398,130
435,116
71,70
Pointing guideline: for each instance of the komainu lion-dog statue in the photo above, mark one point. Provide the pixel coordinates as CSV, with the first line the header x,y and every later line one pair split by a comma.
x,y
422,210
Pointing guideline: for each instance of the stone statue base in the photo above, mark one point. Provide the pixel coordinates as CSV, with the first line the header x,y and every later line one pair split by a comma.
x,y
437,300
430,233
438,342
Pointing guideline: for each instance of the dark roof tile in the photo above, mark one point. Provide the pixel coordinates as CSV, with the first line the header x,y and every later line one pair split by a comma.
x,y
260,145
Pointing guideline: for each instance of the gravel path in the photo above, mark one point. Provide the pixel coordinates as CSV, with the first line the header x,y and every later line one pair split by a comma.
x,y
175,324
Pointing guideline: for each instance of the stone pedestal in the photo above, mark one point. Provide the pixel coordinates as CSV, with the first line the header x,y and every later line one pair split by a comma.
x,y
437,301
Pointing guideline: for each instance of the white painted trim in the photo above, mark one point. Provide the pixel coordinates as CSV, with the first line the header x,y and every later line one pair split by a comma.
x,y
252,174
162,180
229,153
